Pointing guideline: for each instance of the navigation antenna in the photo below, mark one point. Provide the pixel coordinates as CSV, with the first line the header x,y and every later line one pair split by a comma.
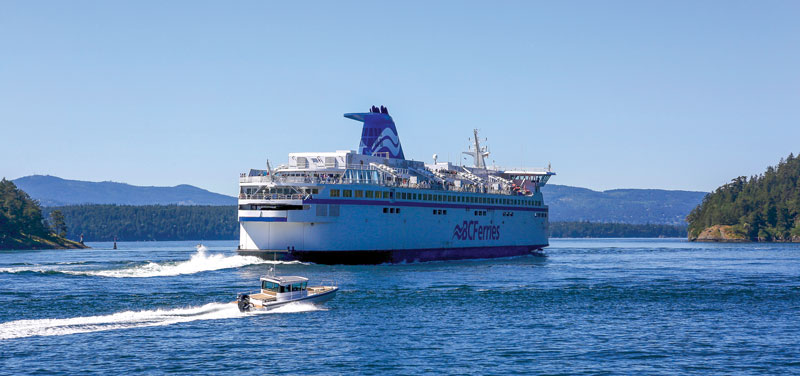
x,y
479,152
269,170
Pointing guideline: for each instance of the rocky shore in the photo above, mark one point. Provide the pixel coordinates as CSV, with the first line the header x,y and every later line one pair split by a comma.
x,y
38,242
719,233
728,234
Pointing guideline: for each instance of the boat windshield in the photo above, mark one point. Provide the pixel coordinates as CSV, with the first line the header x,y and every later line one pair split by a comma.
x,y
269,286
300,286
274,287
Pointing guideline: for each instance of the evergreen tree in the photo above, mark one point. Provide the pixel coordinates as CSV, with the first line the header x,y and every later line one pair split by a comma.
x,y
614,230
22,225
57,223
150,222
20,213
764,207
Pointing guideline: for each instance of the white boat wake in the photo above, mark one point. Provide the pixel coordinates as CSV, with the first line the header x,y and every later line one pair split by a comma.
x,y
199,262
133,319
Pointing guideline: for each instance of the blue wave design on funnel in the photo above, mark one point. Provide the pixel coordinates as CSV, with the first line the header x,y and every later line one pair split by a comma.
x,y
379,134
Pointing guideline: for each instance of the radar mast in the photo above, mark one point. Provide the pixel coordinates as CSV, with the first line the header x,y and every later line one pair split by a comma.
x,y
479,153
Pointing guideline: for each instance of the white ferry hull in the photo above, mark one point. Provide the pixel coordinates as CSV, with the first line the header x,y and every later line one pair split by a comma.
x,y
363,233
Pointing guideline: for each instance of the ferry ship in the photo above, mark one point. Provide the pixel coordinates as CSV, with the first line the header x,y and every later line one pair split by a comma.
x,y
374,206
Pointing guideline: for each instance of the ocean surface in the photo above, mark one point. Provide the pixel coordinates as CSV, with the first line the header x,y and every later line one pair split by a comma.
x,y
633,306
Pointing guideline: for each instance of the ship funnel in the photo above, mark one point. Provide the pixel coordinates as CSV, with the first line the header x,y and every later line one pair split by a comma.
x,y
379,135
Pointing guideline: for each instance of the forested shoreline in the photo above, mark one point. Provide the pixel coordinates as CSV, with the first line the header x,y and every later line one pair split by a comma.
x,y
177,222
762,208
23,226
615,230
150,222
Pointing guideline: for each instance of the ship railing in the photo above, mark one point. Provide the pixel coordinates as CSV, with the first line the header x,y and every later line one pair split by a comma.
x,y
373,166
360,167
523,169
255,179
272,196
429,174
325,284
499,179
297,179
393,183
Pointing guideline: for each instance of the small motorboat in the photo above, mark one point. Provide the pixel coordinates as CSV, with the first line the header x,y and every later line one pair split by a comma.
x,y
278,291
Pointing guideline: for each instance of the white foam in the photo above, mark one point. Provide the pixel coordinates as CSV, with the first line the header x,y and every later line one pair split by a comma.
x,y
297,307
200,261
13,270
131,319
22,269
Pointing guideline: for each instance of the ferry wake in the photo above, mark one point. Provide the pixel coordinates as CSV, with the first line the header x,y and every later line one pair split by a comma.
x,y
374,206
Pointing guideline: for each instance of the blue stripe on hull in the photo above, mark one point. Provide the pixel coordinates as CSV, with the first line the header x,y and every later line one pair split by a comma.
x,y
437,204
410,255
262,219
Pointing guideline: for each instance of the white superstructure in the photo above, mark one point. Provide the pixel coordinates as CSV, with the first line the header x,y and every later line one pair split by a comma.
x,y
375,206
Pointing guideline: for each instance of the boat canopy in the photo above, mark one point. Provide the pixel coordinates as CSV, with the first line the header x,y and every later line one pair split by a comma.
x,y
284,280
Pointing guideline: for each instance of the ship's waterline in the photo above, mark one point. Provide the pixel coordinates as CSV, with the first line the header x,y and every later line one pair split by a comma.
x,y
375,206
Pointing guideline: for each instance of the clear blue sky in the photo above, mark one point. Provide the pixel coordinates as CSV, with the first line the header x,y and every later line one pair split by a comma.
x,y
636,94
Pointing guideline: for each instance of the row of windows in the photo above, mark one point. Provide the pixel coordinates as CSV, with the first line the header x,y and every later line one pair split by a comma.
x,y
432,197
391,210
541,214
280,191
439,212
361,194
274,287
480,213
508,214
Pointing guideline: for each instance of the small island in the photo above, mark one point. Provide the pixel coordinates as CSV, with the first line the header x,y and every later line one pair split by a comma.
x,y
22,225
763,208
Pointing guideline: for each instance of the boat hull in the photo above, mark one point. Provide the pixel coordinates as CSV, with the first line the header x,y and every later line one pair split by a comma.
x,y
411,255
311,299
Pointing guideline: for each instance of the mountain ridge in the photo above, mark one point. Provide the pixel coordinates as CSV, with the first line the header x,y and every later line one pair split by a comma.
x,y
56,191
622,205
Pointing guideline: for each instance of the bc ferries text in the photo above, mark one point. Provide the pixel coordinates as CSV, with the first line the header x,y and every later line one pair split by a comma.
x,y
375,206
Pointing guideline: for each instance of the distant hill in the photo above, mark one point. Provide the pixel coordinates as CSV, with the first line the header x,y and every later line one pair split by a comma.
x,y
55,191
635,206
567,204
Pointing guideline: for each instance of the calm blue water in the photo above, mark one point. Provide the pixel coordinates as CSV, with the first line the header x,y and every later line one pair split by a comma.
x,y
591,307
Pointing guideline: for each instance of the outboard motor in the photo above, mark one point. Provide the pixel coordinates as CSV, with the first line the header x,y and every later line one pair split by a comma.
x,y
244,303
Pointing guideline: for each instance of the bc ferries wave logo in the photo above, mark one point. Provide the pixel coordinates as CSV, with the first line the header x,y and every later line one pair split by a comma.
x,y
386,142
472,230
379,135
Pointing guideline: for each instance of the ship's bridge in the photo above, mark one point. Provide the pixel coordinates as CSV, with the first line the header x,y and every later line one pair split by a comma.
x,y
538,176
